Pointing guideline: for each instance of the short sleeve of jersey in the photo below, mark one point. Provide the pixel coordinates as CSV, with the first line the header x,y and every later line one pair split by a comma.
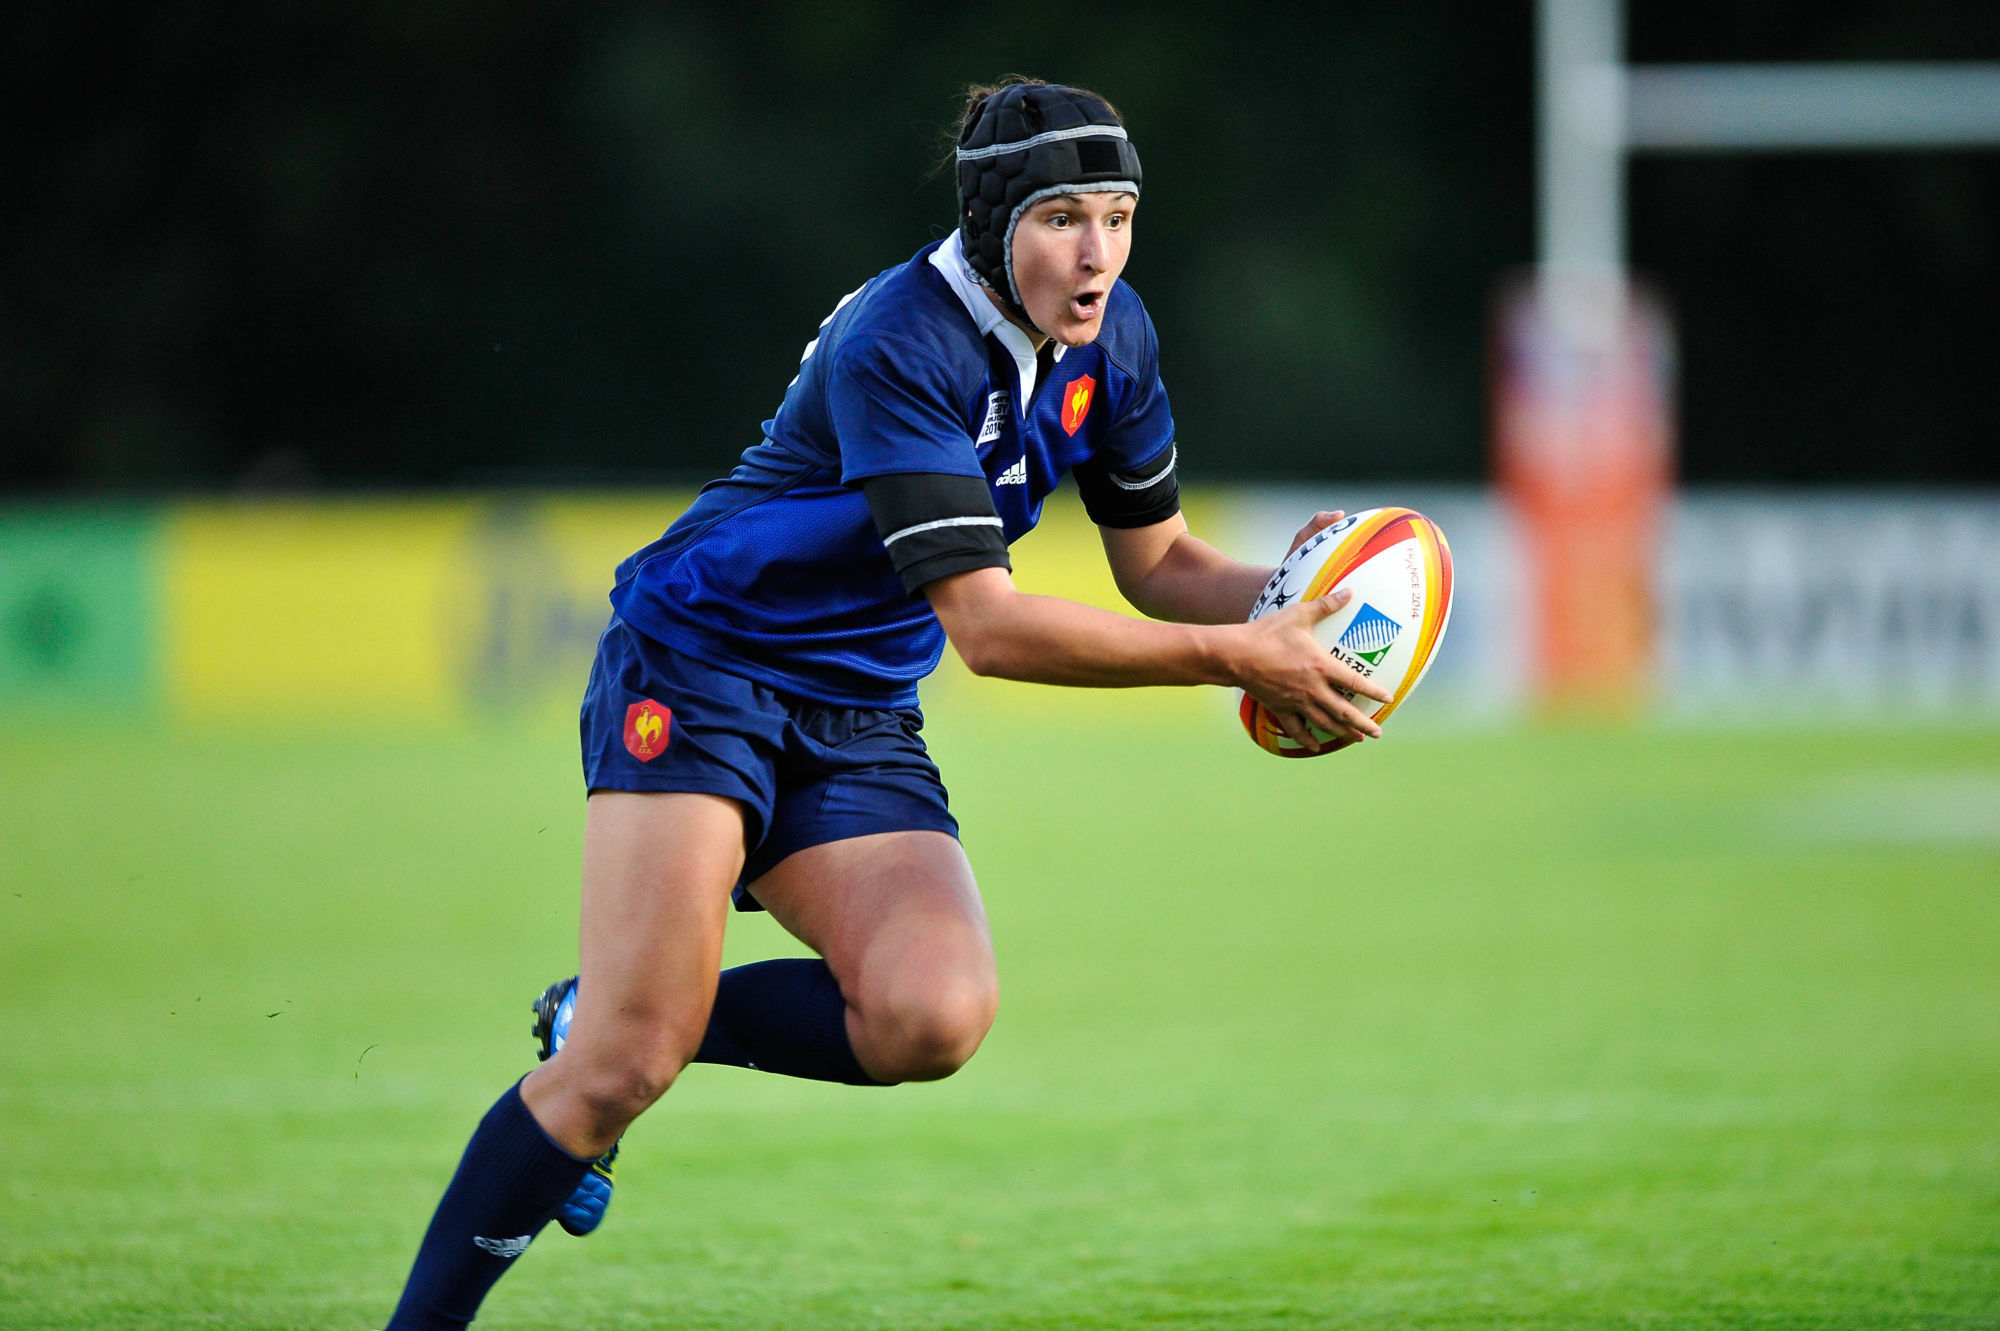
x,y
893,406
1145,427
1129,480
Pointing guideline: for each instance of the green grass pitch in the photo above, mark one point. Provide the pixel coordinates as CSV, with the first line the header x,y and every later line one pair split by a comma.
x,y
1525,1029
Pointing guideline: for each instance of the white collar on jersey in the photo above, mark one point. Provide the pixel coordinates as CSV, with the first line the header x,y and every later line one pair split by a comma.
x,y
949,259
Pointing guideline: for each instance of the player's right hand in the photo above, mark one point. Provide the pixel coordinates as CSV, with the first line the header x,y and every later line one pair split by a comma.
x,y
1283,666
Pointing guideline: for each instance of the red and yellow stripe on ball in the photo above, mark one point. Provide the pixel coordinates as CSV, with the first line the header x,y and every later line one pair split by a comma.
x,y
1256,719
1437,606
1378,532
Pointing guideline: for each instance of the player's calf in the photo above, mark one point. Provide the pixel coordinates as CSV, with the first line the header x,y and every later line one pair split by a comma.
x,y
584,1211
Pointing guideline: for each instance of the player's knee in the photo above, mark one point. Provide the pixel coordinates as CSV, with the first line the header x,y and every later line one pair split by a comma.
x,y
618,1084
932,1030
639,1085
611,1101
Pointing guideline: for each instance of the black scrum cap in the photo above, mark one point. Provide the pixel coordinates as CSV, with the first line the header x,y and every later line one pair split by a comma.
x,y
1022,144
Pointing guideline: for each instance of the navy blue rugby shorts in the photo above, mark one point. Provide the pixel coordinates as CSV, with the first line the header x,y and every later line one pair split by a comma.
x,y
806,772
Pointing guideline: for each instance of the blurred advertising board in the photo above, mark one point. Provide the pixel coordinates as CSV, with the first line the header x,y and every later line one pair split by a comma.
x,y
406,609
302,611
77,624
1796,606
1856,607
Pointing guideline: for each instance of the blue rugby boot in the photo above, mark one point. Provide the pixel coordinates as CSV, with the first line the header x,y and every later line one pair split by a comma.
x,y
584,1211
553,1013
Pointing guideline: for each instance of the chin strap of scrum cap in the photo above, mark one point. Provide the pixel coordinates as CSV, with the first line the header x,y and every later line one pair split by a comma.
x,y
1025,143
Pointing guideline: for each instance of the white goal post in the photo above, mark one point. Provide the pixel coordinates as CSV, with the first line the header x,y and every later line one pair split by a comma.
x,y
1583,388
1594,110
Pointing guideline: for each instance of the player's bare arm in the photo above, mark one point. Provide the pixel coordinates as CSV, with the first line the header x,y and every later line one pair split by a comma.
x,y
1166,572
1002,631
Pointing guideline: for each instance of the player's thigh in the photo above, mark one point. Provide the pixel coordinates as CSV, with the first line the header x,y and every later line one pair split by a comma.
x,y
897,916
657,870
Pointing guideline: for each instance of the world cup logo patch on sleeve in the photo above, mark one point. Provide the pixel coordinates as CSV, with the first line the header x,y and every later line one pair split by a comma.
x,y
648,727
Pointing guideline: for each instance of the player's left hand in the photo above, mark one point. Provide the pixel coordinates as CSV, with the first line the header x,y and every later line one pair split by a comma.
x,y
1319,523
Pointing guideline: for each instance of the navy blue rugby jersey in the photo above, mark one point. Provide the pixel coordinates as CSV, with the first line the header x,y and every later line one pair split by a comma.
x,y
777,572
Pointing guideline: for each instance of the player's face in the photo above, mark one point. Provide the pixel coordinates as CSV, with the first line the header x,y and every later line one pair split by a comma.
x,y
1068,250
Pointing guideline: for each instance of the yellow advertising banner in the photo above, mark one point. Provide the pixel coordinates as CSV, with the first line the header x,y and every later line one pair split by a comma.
x,y
313,610
418,610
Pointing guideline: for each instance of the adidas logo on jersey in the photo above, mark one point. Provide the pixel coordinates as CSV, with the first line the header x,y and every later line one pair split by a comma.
x,y
996,415
1014,475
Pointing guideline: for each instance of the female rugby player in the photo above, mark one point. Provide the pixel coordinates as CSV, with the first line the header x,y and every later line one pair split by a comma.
x,y
751,719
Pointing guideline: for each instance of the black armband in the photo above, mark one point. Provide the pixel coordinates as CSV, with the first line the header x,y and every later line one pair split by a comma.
x,y
1136,497
934,525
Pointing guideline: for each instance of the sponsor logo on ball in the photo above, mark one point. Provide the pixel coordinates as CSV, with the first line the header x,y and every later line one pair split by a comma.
x,y
1369,638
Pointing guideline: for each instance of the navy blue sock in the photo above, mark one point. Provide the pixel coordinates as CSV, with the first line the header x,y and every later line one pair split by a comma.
x,y
783,1016
508,1185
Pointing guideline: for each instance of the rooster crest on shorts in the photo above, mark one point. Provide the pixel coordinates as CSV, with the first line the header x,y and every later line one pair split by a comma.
x,y
648,726
1076,402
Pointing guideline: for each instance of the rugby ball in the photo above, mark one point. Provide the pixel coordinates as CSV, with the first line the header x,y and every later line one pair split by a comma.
x,y
1398,566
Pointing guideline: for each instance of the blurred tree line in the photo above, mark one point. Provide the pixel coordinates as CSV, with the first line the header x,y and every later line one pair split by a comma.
x,y
445,243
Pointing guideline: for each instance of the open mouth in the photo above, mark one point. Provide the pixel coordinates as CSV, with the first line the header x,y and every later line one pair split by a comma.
x,y
1087,304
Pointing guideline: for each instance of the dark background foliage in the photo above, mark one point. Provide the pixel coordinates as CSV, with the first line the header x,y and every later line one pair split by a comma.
x,y
379,242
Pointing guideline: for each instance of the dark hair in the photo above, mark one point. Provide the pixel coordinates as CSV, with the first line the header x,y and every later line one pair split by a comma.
x,y
975,97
